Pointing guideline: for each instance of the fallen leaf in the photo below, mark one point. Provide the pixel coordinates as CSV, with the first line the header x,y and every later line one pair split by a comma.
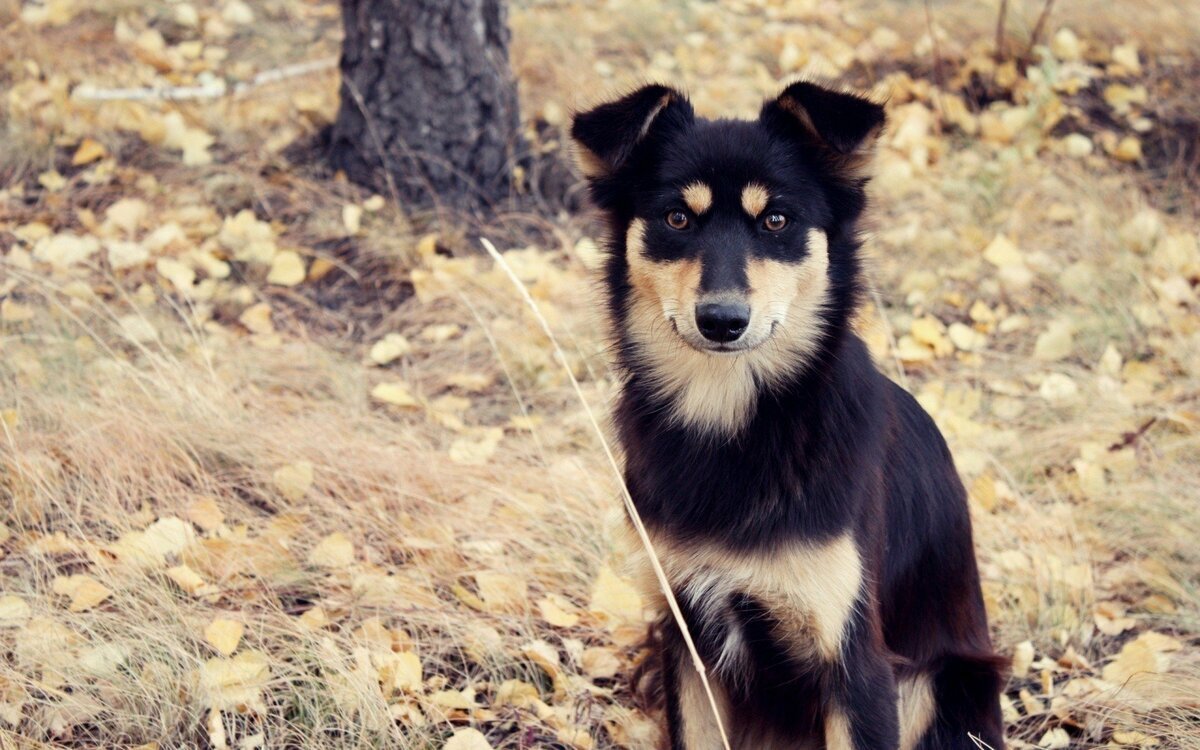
x,y
467,739
287,269
14,611
1136,659
616,597
257,318
390,348
394,393
84,591
352,218
554,611
1054,739
189,580
1001,252
334,551
235,683
89,151
1056,342
206,514
1058,388
501,592
600,662
293,480
476,450
224,635
12,311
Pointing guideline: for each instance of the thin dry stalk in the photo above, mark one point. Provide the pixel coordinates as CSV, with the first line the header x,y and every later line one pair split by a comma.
x,y
630,508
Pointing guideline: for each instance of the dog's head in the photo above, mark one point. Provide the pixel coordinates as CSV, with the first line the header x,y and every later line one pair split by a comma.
x,y
727,232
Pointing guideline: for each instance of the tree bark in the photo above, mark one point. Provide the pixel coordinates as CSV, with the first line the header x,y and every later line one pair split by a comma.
x,y
428,102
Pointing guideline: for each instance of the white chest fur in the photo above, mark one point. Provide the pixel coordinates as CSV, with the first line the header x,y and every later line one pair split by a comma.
x,y
809,589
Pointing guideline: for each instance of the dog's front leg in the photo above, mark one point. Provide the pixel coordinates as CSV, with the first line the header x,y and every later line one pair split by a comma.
x,y
690,721
863,710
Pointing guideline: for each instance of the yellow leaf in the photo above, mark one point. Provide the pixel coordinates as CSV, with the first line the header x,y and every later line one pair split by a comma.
x,y
460,699
501,592
85,592
1137,660
390,348
1022,658
576,737
476,452
334,551
65,249
235,683
89,151
1128,149
14,611
287,269
52,180
467,739
189,580
167,536
1058,388
1134,738
294,480
400,672
257,318
315,618
928,331
909,350
12,311
600,662
554,610
517,693
224,635
352,218
1055,739
1055,342
1066,46
439,333
1002,253
206,514
544,655
237,13
966,338
616,597
1160,642
394,393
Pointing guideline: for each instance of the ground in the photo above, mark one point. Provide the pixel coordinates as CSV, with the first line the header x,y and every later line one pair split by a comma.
x,y
280,467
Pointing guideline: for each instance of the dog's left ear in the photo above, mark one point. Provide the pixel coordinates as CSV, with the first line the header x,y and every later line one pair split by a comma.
x,y
606,137
843,127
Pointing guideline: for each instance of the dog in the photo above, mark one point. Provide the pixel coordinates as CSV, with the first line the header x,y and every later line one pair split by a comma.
x,y
805,509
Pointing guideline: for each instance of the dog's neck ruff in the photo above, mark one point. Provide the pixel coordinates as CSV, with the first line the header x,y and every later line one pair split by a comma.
x,y
717,394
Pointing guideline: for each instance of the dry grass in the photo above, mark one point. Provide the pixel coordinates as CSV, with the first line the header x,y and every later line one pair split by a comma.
x,y
105,430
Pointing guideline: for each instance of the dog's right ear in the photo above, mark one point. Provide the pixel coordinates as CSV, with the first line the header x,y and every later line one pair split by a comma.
x,y
605,137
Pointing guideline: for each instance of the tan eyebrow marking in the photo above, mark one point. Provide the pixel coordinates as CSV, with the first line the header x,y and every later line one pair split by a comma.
x,y
754,199
698,197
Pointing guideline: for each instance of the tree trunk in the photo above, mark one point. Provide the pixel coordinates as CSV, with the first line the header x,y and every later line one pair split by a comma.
x,y
428,102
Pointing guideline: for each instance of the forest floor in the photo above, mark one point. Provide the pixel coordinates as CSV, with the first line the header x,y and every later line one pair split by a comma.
x,y
280,469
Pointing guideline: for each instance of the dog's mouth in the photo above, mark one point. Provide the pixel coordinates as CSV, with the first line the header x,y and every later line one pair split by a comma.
x,y
746,343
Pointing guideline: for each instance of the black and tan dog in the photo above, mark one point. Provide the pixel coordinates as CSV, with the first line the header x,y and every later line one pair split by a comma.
x,y
806,510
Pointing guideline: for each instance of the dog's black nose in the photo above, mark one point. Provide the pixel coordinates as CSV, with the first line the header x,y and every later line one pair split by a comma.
x,y
722,321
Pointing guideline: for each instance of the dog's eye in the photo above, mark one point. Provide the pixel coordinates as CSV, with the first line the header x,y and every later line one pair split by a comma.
x,y
774,222
677,220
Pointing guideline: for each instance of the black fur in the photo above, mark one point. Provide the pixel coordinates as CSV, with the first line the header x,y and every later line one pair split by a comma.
x,y
834,447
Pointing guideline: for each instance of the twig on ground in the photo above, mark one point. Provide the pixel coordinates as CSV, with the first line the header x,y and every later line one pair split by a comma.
x,y
1038,28
215,88
1001,20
